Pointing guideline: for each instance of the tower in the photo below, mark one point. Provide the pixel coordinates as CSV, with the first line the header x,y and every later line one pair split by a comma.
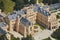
x,y
18,23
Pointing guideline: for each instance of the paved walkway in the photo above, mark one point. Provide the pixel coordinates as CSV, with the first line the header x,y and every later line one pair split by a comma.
x,y
42,34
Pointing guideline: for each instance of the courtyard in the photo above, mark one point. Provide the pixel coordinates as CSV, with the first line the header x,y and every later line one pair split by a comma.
x,y
39,26
42,34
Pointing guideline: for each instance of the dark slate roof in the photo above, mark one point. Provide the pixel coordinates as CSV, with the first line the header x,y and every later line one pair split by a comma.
x,y
41,10
25,21
2,24
12,16
44,12
36,8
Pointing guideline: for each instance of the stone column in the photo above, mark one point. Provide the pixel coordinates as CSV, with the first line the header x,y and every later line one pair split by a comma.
x,y
51,27
25,32
17,24
29,30
10,26
32,29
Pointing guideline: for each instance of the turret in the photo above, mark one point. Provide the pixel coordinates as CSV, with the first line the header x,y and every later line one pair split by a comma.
x,y
18,23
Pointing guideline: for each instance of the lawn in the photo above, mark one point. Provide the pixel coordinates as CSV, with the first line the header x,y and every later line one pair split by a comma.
x,y
35,27
42,27
58,16
58,13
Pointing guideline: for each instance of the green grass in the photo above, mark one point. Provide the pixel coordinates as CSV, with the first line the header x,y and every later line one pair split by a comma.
x,y
35,30
35,27
58,13
58,16
54,11
42,27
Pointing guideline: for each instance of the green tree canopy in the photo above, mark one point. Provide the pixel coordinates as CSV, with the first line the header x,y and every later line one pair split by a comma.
x,y
7,5
13,38
56,34
29,37
1,5
26,1
18,4
51,1
40,1
33,2
3,37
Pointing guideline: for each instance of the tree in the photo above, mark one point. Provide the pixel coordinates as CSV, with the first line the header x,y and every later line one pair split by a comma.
x,y
47,1
26,1
1,5
8,6
55,1
3,37
18,4
40,1
56,34
33,2
13,38
50,1
58,0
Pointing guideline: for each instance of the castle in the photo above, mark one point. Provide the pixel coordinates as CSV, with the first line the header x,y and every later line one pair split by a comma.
x,y
22,21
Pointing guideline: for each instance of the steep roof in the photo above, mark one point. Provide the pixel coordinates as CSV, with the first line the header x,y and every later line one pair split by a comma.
x,y
41,10
2,24
12,16
25,21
